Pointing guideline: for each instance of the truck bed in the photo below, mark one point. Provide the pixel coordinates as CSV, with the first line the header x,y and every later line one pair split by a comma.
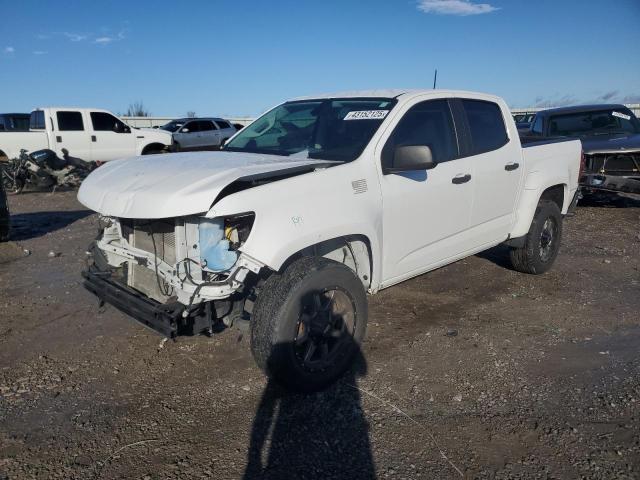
x,y
12,142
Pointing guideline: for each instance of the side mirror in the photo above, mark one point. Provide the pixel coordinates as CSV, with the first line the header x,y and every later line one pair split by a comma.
x,y
121,128
411,157
184,130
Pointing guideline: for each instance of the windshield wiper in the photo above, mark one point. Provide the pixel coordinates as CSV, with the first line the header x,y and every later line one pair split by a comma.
x,y
608,132
264,151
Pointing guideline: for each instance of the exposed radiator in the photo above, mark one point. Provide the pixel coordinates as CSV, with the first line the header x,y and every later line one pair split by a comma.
x,y
151,236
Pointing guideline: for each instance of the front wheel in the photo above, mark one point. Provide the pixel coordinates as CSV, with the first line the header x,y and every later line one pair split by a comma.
x,y
542,243
308,323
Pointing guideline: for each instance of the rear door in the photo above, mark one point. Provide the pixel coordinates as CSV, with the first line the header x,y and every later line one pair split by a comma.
x,y
496,160
425,213
71,136
226,130
209,134
110,137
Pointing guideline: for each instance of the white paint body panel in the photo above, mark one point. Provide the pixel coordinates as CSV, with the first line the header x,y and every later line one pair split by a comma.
x,y
413,222
172,185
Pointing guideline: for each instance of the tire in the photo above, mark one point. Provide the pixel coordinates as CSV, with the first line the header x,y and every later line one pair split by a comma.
x,y
176,147
542,243
301,306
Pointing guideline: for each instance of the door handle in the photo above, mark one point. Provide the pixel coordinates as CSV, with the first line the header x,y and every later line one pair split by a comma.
x,y
93,138
511,166
58,139
458,179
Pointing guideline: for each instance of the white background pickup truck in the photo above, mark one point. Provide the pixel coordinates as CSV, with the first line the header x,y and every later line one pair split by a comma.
x,y
85,133
314,204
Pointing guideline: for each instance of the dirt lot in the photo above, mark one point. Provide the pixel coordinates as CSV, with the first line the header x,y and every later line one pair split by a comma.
x,y
471,371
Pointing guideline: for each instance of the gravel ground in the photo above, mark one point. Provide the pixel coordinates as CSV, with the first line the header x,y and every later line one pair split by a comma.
x,y
471,371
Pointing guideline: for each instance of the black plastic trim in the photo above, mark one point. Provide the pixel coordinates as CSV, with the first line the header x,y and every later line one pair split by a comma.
x,y
162,318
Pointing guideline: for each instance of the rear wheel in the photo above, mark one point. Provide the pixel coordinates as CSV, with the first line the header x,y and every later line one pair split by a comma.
x,y
308,322
542,243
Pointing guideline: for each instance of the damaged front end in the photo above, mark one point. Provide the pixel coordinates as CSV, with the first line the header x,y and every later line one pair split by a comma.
x,y
179,275
611,172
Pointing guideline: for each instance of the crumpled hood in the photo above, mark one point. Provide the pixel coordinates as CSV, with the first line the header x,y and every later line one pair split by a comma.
x,y
611,143
173,185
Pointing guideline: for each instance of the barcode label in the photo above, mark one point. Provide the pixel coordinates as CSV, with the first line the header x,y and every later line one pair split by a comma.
x,y
366,115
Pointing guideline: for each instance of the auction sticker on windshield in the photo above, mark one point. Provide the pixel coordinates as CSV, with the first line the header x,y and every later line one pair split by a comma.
x,y
619,115
366,115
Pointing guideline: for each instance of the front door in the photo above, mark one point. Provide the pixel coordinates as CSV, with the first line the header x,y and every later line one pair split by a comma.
x,y
187,136
111,138
425,213
71,137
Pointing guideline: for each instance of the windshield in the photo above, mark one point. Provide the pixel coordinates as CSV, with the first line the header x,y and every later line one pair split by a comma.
x,y
331,129
598,122
173,126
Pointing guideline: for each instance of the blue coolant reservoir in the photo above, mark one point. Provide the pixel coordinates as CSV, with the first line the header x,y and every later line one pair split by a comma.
x,y
214,248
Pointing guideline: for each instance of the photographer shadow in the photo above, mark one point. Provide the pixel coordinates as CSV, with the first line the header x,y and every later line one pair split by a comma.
x,y
309,436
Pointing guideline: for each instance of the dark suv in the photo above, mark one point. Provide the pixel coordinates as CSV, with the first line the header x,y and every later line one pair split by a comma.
x,y
610,136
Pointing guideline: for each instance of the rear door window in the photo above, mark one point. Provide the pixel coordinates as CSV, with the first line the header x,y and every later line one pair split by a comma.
x,y
70,121
223,124
486,126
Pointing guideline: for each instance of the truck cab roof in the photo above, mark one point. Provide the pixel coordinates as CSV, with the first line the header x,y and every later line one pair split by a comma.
x,y
396,93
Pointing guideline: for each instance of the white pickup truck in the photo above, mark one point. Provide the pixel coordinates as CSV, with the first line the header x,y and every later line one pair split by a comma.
x,y
316,203
88,134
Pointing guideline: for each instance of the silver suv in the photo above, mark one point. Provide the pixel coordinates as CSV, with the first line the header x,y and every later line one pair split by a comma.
x,y
199,133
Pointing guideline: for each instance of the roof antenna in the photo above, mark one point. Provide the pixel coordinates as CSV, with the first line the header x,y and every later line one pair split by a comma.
x,y
435,78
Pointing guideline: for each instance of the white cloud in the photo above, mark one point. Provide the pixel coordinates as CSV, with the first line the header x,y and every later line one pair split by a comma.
x,y
39,52
74,37
9,50
455,7
107,39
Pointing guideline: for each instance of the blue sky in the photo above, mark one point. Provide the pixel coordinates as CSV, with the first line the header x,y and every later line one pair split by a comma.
x,y
226,57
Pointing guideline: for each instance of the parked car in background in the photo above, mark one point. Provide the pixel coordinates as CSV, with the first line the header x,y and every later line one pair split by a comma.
x,y
14,122
316,203
610,136
87,134
523,120
199,133
5,223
